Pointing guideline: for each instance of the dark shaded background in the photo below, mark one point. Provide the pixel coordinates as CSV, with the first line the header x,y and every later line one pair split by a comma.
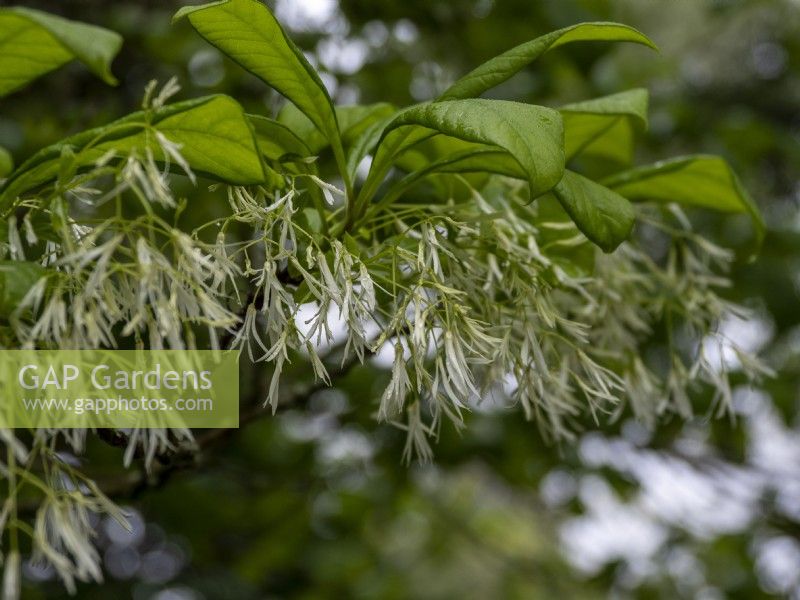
x,y
314,503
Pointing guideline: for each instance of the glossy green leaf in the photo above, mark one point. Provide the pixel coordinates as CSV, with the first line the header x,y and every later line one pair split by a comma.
x,y
216,137
605,127
33,43
605,217
697,180
504,66
6,162
16,279
531,135
249,34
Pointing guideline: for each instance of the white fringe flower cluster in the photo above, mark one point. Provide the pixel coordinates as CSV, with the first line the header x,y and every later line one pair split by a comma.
x,y
490,298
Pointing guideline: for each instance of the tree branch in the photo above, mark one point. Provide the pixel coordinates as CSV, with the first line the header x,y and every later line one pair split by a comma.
x,y
190,457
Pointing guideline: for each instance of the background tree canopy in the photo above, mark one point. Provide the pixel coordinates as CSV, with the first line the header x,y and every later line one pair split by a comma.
x,y
315,501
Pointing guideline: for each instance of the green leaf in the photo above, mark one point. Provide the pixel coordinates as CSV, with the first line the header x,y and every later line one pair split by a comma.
x,y
279,144
300,125
353,121
6,162
560,239
16,279
455,156
365,144
605,217
277,141
442,155
249,34
605,127
360,126
483,78
478,159
504,66
531,135
216,137
33,43
696,180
